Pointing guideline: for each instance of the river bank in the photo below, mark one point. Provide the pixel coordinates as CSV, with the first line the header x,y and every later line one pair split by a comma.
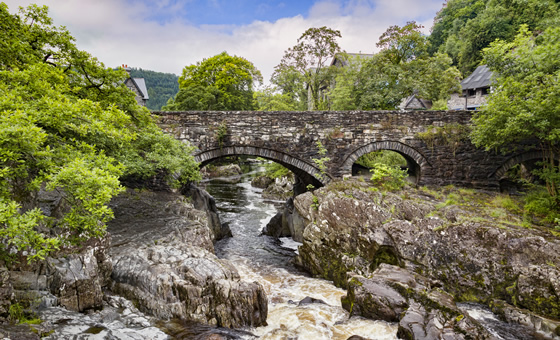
x,y
406,263
410,256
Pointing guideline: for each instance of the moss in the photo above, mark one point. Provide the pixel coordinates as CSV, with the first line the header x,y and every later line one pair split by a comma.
x,y
385,255
459,318
94,330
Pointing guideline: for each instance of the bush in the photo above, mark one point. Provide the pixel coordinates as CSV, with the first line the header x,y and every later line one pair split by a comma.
x,y
387,157
388,177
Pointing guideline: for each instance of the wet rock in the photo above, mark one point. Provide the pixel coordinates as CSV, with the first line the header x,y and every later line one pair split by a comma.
x,y
77,279
347,228
18,332
163,259
118,319
279,224
374,299
281,189
221,171
261,182
544,326
394,294
309,300
202,200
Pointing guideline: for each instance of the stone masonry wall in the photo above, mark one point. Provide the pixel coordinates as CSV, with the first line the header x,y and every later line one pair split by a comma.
x,y
291,137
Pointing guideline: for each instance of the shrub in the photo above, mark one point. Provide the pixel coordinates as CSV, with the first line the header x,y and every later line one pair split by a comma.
x,y
388,177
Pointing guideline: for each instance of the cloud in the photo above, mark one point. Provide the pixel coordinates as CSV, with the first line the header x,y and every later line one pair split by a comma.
x,y
154,35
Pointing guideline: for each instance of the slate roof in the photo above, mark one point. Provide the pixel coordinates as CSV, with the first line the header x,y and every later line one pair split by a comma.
x,y
344,61
480,78
141,84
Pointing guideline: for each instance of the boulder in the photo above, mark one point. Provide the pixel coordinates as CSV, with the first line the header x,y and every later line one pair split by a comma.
x,y
348,228
163,259
202,200
395,294
261,182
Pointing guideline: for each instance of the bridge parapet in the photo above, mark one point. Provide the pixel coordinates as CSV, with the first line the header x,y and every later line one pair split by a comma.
x,y
290,138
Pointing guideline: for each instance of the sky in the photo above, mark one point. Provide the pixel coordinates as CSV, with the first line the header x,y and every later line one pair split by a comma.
x,y
167,35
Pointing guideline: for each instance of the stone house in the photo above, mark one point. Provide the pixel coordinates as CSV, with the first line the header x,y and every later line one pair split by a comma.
x,y
476,88
413,102
138,86
339,60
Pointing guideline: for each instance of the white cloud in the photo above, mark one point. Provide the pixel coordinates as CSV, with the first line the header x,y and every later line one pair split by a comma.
x,y
117,33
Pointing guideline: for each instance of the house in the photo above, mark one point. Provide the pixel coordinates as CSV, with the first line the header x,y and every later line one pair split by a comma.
x,y
343,59
413,102
138,86
476,88
339,60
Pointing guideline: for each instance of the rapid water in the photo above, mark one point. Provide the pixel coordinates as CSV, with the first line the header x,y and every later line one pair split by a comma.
x,y
267,261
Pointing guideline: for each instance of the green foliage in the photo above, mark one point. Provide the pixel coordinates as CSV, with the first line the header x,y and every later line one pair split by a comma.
x,y
305,66
222,82
321,162
540,203
67,125
269,100
463,28
388,177
161,86
343,95
402,67
526,101
387,157
220,132
276,170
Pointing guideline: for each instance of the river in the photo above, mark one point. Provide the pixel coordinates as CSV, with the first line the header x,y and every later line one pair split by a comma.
x,y
267,261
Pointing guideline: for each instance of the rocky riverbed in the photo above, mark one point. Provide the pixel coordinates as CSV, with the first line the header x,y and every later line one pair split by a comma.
x,y
408,258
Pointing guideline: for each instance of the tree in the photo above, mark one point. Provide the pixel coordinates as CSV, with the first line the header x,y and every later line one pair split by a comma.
x,y
270,100
525,103
68,125
222,82
463,28
403,44
306,64
402,67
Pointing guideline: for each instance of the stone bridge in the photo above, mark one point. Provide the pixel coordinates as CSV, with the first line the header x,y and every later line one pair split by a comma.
x,y
434,143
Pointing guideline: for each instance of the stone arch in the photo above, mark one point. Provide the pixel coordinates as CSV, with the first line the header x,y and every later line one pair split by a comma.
x,y
514,160
308,173
415,160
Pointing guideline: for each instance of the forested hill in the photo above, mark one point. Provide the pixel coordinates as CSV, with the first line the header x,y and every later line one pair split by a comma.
x,y
161,86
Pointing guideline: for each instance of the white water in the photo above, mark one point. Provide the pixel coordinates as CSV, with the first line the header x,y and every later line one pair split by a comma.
x,y
263,259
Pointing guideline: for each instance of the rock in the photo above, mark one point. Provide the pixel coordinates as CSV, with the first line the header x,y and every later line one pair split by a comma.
x,y
281,189
545,326
163,259
261,182
394,294
18,332
279,224
222,171
309,300
374,299
6,292
202,200
75,280
347,228
118,319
